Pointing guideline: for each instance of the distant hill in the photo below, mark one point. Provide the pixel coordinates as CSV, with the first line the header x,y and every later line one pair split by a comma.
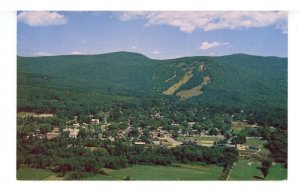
x,y
237,79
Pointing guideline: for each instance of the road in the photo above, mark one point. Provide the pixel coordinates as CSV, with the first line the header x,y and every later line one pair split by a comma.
x,y
173,141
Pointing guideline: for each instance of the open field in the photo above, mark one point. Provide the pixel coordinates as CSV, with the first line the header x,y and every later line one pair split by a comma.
x,y
249,170
238,126
277,172
54,177
198,138
100,177
182,172
25,173
245,170
29,114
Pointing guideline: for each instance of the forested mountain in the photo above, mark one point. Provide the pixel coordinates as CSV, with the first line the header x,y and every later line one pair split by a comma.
x,y
239,79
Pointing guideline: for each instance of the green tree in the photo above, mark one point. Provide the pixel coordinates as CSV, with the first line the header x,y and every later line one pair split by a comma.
x,y
266,164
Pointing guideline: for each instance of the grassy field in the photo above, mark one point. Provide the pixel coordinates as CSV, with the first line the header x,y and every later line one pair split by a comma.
x,y
245,170
249,170
100,177
238,126
198,138
277,172
145,172
26,173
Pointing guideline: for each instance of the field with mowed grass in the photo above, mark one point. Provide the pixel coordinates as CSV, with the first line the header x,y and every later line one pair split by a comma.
x,y
26,173
245,170
277,172
180,172
249,170
199,138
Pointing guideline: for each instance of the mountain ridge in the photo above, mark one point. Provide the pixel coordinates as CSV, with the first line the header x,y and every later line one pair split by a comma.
x,y
236,79
136,53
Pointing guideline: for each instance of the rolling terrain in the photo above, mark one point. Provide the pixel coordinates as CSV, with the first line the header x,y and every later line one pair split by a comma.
x,y
239,79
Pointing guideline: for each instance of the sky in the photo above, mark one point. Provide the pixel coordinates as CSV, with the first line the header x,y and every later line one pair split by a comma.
x,y
158,35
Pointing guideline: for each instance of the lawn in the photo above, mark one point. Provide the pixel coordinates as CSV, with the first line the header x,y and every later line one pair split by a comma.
x,y
100,177
198,138
25,173
277,172
245,170
238,126
249,170
182,172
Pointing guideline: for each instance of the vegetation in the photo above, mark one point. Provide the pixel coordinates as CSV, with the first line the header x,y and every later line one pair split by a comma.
x,y
26,173
135,99
178,172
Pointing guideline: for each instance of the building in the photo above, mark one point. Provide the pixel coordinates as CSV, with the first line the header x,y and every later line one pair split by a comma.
x,y
52,135
56,130
139,143
191,124
73,132
95,122
76,125
240,147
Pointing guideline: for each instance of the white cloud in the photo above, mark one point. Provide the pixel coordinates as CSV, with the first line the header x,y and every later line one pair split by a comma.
x,y
206,45
43,54
207,21
41,18
133,47
76,53
156,52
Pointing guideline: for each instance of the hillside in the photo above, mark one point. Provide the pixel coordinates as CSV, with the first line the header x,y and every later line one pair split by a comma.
x,y
239,79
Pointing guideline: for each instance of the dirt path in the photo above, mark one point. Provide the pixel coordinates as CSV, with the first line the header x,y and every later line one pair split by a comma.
x,y
228,176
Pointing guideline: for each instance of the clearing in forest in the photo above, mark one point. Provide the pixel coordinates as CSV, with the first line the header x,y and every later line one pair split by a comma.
x,y
187,76
195,91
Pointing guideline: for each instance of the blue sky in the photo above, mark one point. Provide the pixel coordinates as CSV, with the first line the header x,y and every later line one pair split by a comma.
x,y
157,35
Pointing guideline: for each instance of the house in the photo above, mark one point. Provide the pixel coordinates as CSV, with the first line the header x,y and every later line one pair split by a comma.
x,y
157,116
153,134
76,125
156,142
139,143
95,122
56,130
73,132
191,124
105,121
52,135
240,147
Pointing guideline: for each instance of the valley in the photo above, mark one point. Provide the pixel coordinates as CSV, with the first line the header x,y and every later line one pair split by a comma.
x,y
117,116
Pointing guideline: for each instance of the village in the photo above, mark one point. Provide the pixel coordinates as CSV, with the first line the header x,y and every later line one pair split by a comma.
x,y
160,136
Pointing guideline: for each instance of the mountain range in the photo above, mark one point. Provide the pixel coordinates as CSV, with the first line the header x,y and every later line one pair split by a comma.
x,y
238,79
